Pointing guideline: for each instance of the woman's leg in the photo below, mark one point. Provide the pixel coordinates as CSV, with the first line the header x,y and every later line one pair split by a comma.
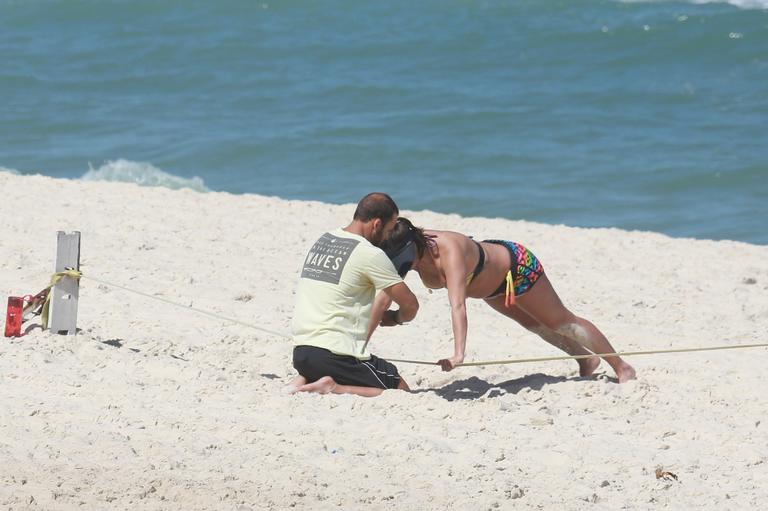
x,y
542,303
587,366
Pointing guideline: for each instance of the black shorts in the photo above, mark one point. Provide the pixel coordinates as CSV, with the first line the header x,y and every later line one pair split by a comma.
x,y
313,363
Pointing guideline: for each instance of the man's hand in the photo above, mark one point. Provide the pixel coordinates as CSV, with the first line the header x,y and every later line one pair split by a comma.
x,y
389,318
448,364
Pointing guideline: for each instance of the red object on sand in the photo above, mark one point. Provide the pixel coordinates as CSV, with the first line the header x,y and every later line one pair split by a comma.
x,y
13,317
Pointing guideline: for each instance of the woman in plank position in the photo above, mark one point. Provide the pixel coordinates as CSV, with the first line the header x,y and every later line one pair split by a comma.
x,y
508,277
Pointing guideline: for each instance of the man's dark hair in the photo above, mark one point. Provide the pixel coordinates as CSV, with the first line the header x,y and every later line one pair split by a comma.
x,y
376,205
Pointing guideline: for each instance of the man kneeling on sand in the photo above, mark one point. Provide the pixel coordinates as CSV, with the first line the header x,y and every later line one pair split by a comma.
x,y
342,273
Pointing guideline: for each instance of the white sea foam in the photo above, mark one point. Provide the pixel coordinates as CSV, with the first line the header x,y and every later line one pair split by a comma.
x,y
743,4
10,171
141,173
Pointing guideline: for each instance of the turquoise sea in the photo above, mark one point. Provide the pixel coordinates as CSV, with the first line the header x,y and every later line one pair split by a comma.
x,y
647,115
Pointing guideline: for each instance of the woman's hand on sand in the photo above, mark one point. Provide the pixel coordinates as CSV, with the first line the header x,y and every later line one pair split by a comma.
x,y
448,364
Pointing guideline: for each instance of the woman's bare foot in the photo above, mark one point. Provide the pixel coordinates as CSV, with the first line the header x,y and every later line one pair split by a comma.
x,y
324,385
587,366
625,373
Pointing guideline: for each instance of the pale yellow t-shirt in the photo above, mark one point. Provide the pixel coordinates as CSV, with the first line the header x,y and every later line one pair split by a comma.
x,y
339,280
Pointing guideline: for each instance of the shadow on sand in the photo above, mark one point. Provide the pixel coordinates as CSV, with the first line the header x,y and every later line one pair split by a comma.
x,y
474,387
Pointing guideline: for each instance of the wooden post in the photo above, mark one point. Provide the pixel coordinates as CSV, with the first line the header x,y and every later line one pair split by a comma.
x,y
65,294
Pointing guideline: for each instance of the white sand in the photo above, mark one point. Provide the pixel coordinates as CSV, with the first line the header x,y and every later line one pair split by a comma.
x,y
155,407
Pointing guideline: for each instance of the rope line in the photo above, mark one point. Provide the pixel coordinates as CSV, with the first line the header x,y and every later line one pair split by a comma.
x,y
185,307
423,362
593,355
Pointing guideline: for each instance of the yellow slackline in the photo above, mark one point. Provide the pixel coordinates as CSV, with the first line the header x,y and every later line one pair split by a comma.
x,y
577,357
78,275
182,306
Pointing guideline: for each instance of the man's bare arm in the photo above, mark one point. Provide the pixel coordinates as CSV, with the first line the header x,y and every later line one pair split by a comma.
x,y
401,294
380,304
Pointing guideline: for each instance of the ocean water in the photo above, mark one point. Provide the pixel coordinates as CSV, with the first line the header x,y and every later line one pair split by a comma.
x,y
638,115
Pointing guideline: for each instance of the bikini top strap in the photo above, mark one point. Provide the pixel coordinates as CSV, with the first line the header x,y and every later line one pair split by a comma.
x,y
480,260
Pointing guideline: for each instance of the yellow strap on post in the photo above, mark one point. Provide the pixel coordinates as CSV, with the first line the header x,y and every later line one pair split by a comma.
x,y
55,279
